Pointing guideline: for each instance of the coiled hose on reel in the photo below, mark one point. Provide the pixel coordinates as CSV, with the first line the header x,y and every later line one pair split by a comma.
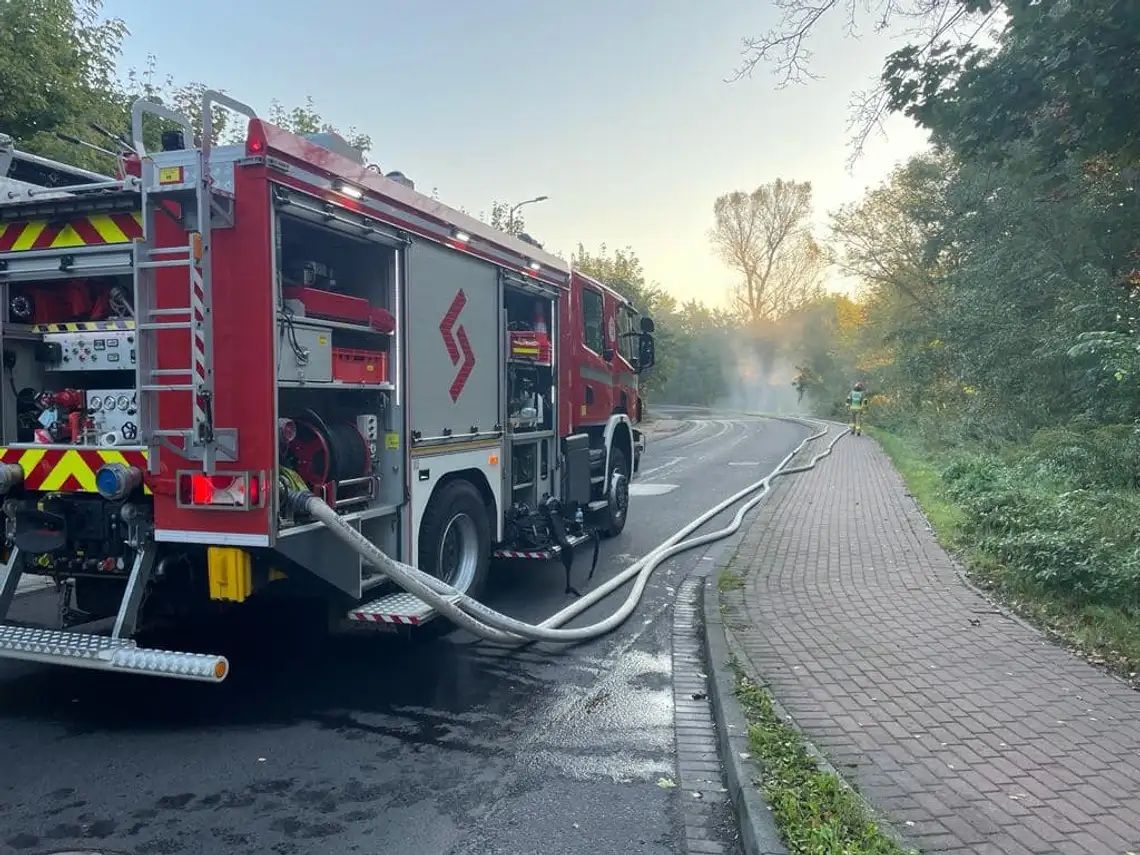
x,y
488,624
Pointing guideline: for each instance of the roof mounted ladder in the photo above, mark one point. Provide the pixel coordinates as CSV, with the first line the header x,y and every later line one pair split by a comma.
x,y
201,440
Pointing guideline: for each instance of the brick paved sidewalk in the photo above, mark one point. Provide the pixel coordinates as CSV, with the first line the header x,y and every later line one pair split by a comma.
x,y
969,730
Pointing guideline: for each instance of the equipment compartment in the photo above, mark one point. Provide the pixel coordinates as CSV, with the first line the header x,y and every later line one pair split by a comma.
x,y
530,378
304,353
70,358
341,430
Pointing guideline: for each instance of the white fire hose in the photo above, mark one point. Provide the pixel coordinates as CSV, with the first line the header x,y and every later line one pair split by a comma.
x,y
491,625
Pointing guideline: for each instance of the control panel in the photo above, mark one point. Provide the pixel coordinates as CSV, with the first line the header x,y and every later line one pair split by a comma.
x,y
113,416
109,350
369,427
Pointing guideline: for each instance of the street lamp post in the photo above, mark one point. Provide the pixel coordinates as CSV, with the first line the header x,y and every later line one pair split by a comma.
x,y
511,212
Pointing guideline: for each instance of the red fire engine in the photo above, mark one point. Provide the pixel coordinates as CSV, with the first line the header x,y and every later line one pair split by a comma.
x,y
188,341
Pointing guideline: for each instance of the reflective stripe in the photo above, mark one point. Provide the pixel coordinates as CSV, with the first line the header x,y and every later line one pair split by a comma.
x,y
28,236
591,373
68,470
90,230
171,535
68,237
440,448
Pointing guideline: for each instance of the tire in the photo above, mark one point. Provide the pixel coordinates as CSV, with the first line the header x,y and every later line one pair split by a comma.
x,y
617,492
455,538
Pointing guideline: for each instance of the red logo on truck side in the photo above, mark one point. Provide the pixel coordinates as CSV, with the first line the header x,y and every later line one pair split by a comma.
x,y
456,341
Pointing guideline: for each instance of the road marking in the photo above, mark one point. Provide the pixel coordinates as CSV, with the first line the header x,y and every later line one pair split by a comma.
x,y
641,489
672,462
30,583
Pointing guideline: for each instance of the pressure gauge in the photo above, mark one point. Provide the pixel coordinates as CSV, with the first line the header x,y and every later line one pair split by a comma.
x,y
109,403
124,402
95,403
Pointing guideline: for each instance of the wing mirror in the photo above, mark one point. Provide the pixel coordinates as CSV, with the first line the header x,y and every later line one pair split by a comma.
x,y
646,350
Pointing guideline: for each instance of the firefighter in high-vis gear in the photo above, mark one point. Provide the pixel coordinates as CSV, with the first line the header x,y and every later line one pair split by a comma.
x,y
800,384
856,404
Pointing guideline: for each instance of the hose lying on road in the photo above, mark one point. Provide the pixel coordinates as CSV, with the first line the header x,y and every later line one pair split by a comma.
x,y
491,625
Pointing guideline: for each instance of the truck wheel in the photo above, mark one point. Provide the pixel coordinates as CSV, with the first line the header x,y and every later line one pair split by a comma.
x,y
617,493
455,538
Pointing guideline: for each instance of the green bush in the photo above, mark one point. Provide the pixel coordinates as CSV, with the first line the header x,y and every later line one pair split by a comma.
x,y
1087,456
1061,514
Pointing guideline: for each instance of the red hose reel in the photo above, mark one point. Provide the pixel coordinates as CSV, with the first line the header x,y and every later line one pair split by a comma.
x,y
325,454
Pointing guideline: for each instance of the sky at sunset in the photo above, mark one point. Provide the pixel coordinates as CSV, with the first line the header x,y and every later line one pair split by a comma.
x,y
618,111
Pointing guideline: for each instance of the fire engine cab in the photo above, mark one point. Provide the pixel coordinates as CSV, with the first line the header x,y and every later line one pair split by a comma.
x,y
210,329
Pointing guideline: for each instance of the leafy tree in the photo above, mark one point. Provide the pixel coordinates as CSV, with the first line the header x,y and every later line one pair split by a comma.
x,y
764,237
183,98
57,75
502,219
703,356
893,238
186,99
305,119
1063,79
1001,273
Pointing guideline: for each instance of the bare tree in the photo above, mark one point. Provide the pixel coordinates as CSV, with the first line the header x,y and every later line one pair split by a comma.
x,y
786,48
764,236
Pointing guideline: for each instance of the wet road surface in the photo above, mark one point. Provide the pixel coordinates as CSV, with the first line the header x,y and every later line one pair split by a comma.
x,y
374,744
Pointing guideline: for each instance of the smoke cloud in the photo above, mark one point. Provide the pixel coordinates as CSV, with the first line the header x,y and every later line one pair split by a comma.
x,y
759,380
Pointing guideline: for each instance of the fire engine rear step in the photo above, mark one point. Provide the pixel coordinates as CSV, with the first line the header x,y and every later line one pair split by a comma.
x,y
404,609
114,652
103,653
541,554
400,609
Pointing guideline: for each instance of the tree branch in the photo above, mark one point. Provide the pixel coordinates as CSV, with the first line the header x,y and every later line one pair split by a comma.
x,y
786,47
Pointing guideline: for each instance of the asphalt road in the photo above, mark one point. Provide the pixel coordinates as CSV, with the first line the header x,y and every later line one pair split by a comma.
x,y
377,745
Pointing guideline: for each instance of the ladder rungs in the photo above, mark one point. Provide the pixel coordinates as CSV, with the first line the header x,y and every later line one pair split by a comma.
x,y
167,387
166,325
181,310
167,372
176,262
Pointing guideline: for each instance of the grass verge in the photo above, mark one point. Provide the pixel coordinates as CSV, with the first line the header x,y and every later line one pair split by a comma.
x,y
923,477
729,581
815,811
1106,635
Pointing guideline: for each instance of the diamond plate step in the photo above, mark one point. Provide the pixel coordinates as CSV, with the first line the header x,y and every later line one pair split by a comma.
x,y
402,609
102,653
528,554
537,554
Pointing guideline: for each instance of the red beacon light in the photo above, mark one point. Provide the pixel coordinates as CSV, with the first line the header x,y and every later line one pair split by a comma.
x,y
255,142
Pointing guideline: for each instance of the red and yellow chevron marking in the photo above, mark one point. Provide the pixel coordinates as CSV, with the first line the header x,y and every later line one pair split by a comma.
x,y
67,470
90,230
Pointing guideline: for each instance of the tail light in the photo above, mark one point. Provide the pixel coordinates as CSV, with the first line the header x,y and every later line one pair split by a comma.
x,y
220,491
